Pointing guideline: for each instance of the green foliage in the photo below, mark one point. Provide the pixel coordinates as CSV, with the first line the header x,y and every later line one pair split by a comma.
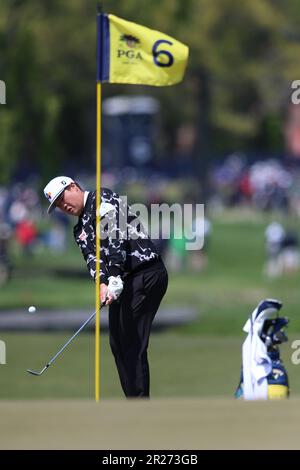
x,y
247,52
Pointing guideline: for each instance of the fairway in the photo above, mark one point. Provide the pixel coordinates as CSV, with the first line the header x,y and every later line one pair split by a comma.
x,y
182,365
155,424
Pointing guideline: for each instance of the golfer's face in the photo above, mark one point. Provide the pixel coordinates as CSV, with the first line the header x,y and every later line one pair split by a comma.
x,y
71,200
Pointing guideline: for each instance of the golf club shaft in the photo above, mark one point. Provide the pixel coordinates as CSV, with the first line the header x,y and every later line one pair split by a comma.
x,y
71,339
65,345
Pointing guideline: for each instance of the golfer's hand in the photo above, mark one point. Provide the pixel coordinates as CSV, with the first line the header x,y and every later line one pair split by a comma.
x,y
105,297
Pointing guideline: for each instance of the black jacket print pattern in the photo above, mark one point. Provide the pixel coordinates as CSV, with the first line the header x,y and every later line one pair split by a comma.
x,y
119,253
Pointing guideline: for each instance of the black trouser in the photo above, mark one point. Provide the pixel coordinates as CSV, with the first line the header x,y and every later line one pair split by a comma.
x,y
130,320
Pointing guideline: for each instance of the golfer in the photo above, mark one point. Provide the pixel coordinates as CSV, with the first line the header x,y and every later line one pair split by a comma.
x,y
133,277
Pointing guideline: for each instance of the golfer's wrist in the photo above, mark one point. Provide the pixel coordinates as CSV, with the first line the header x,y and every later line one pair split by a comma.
x,y
104,280
115,271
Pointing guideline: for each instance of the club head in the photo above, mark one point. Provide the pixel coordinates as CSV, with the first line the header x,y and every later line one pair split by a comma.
x,y
32,372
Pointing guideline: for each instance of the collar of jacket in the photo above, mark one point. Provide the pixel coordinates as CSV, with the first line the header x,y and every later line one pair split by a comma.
x,y
90,205
89,202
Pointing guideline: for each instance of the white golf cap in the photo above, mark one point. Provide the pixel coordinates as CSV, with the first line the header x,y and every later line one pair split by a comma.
x,y
54,189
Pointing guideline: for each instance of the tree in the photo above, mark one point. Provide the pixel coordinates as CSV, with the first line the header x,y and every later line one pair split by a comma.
x,y
243,57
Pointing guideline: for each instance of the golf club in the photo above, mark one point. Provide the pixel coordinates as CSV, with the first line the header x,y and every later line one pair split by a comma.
x,y
64,347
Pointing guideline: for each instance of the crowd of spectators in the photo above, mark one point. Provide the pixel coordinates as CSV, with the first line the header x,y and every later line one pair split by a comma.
x,y
21,221
264,185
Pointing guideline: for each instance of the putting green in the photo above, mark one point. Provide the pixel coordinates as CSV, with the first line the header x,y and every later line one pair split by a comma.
x,y
155,424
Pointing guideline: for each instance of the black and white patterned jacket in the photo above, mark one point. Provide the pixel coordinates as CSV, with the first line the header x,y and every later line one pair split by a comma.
x,y
119,253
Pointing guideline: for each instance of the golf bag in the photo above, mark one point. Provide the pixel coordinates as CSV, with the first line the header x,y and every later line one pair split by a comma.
x,y
263,375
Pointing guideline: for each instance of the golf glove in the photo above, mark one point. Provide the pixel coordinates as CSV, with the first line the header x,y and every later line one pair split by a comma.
x,y
115,286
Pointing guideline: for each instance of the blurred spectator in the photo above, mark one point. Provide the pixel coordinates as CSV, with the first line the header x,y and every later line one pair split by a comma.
x,y
230,180
270,183
57,235
282,249
5,235
198,259
26,235
5,266
17,212
176,254
289,257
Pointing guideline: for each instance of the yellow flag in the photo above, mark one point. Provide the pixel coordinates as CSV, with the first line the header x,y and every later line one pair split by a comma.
x,y
131,53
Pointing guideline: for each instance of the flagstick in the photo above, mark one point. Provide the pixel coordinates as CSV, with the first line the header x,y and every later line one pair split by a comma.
x,y
97,302
98,201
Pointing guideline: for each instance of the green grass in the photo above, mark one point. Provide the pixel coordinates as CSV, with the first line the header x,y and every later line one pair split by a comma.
x,y
223,294
181,365
201,358
197,423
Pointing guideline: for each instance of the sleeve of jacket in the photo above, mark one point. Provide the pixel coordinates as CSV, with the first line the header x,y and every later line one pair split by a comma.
x,y
89,255
86,242
114,232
